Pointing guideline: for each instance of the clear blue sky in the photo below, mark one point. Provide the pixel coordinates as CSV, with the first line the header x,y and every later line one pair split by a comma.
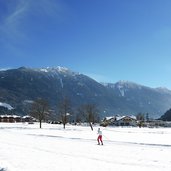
x,y
109,40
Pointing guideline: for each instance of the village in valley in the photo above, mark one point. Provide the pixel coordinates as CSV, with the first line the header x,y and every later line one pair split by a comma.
x,y
115,121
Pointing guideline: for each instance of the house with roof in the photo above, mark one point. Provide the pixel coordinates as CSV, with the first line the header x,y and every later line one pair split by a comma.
x,y
119,121
126,121
28,118
16,118
10,118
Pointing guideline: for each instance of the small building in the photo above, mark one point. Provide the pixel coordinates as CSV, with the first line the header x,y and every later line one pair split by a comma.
x,y
10,118
4,118
1,118
108,121
157,123
119,121
28,118
126,121
17,118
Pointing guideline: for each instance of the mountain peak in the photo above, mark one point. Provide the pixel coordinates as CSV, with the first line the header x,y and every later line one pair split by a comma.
x,y
122,84
58,70
55,69
51,70
127,83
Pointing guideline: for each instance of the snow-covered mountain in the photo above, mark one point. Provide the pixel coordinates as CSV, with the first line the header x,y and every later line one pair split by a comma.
x,y
19,87
55,71
142,98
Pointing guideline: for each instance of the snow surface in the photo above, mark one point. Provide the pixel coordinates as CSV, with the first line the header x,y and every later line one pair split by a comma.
x,y
25,147
6,105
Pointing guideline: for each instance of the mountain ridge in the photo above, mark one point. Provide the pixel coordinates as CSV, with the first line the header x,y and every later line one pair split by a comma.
x,y
17,86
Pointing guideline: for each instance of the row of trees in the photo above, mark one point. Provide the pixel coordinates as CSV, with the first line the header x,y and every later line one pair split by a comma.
x,y
88,112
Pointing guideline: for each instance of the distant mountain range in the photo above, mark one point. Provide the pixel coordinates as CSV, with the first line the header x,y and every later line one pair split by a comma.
x,y
19,87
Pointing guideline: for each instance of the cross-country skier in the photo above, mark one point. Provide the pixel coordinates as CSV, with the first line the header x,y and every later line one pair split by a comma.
x,y
99,138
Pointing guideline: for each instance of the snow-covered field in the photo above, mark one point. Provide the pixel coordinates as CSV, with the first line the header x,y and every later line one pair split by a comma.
x,y
25,147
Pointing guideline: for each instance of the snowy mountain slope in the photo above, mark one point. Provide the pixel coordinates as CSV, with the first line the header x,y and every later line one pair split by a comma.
x,y
19,87
141,98
5,105
25,84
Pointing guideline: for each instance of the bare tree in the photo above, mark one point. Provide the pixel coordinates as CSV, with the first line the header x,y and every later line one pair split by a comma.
x,y
40,110
140,117
65,110
90,113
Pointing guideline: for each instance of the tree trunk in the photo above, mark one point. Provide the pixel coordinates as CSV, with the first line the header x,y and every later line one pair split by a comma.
x,y
91,126
40,123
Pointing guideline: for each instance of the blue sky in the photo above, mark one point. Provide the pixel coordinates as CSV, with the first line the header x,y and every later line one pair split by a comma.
x,y
109,40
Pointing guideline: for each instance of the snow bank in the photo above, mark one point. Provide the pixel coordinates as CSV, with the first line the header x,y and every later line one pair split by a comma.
x,y
9,107
25,147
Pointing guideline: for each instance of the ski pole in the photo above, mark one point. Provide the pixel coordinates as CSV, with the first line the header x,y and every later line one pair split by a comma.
x,y
106,137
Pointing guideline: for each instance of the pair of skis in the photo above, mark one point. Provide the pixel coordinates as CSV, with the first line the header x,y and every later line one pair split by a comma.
x,y
100,144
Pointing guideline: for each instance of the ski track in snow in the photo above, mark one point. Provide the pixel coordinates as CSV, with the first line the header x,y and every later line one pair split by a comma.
x,y
107,141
